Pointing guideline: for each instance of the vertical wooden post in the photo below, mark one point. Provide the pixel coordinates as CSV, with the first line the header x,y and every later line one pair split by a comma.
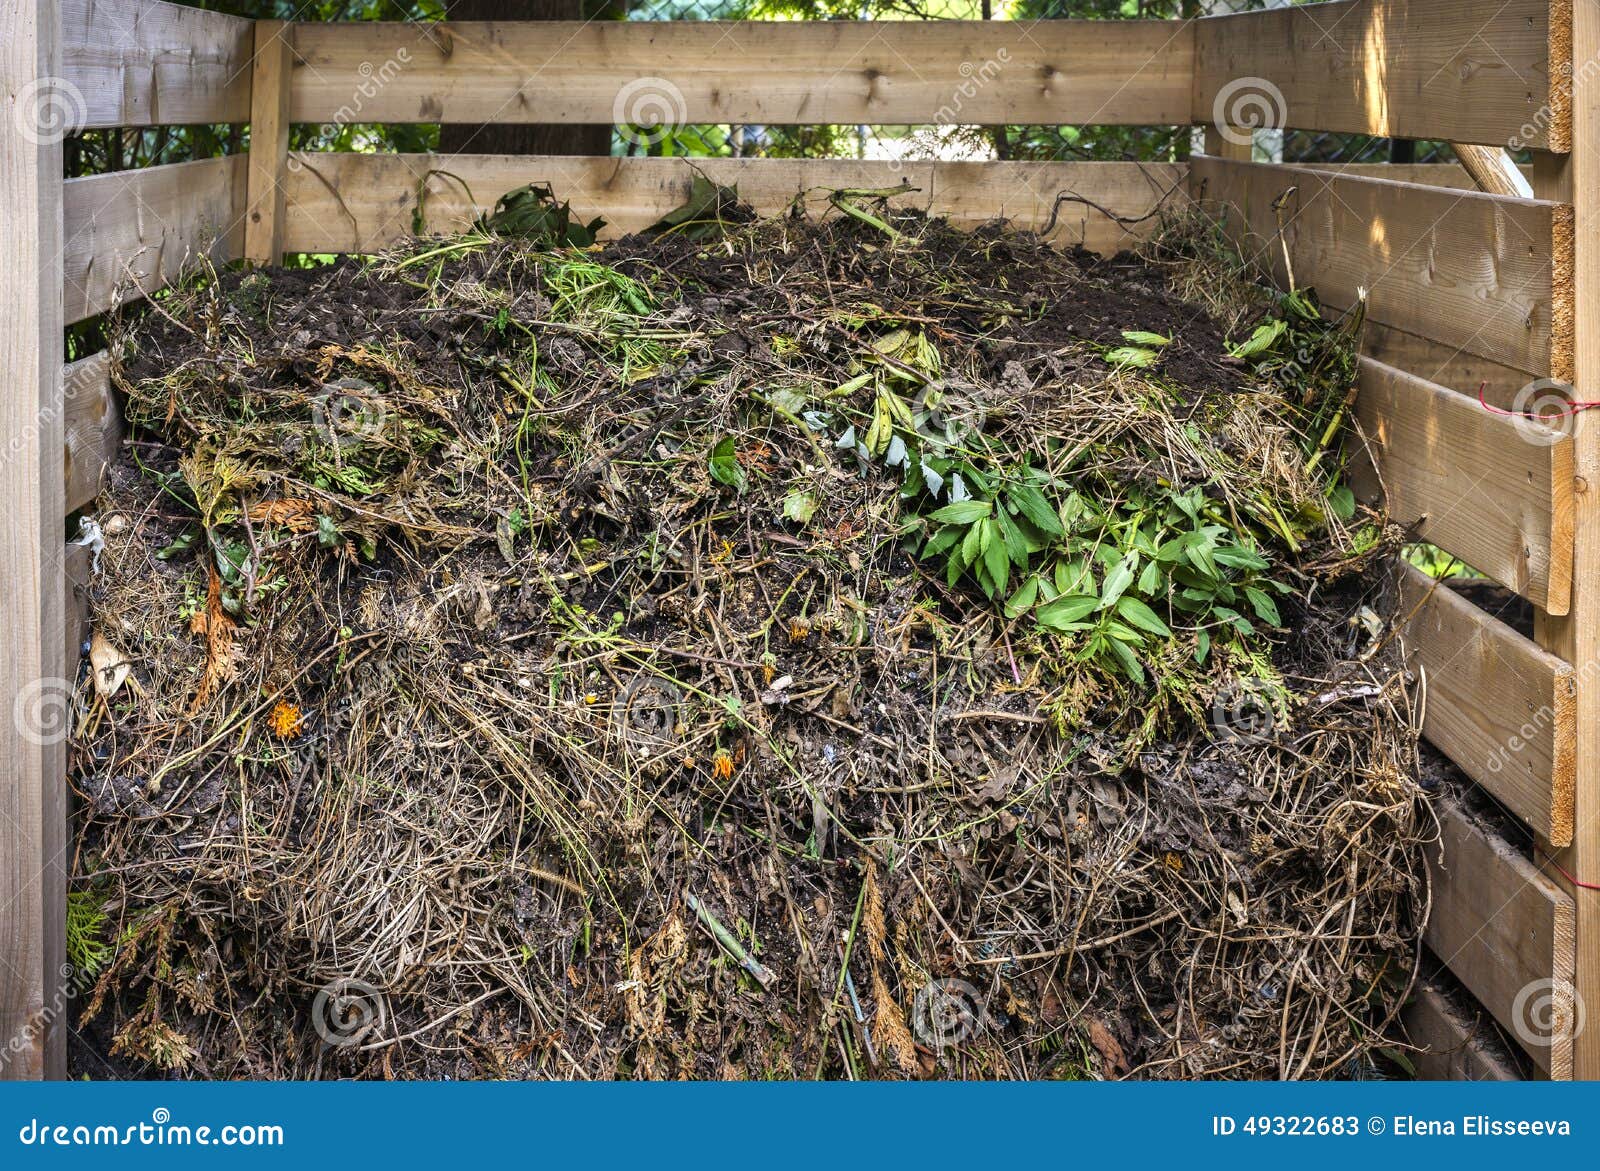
x,y
34,693
1575,178
269,140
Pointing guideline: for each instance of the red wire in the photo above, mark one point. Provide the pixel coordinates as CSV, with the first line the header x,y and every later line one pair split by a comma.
x,y
1567,876
1572,408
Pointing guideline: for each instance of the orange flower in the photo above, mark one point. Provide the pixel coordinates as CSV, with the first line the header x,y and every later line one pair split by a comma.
x,y
722,765
286,721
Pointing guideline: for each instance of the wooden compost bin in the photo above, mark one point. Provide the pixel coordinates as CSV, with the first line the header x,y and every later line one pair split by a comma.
x,y
1467,289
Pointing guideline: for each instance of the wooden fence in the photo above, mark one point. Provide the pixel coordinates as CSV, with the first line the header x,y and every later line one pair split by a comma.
x,y
1466,289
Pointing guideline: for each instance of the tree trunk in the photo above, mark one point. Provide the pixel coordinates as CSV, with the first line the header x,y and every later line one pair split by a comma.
x,y
512,138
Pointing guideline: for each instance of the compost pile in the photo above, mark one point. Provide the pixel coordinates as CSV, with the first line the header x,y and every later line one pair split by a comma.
x,y
750,649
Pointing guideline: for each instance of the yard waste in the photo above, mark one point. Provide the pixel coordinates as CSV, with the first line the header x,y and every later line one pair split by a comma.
x,y
750,649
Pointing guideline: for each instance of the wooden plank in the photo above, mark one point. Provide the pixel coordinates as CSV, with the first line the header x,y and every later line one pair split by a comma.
x,y
1478,485
1506,932
1451,1047
147,63
1448,366
1495,703
1482,273
1477,71
93,428
1110,72
1576,179
1493,170
362,203
269,140
33,603
131,232
77,564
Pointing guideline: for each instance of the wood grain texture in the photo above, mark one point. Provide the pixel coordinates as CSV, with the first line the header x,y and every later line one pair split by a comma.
x,y
1482,486
33,597
361,203
131,232
1576,637
1496,703
93,428
269,141
1480,273
1502,928
1465,373
1452,1046
147,63
77,566
1475,71
779,72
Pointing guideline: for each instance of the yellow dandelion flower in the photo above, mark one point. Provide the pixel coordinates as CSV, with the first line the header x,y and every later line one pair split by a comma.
x,y
285,720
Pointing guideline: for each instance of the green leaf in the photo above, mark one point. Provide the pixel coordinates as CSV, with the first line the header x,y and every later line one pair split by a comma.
x,y
1202,647
1143,337
962,512
1238,557
725,466
799,506
972,544
1016,543
1022,601
1260,341
1150,578
1142,616
1031,502
1118,580
1057,615
1128,660
995,556
1343,502
1125,356
942,540
1266,609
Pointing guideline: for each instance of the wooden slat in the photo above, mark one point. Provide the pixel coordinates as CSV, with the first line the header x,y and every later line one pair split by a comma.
x,y
93,428
361,203
33,601
1505,931
1481,273
147,63
1496,704
1451,1047
1482,71
269,141
781,72
77,564
139,228
1576,179
1453,368
1470,481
